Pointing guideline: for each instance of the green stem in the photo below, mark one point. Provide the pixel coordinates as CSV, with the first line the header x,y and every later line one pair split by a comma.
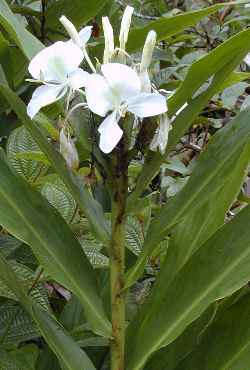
x,y
117,257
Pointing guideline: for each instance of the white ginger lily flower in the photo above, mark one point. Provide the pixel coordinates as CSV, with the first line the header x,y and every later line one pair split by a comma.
x,y
146,60
109,40
247,58
57,67
160,138
68,150
125,26
81,38
124,31
119,90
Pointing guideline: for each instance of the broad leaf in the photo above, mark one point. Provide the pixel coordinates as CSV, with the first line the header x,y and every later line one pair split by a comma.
x,y
28,43
73,182
222,265
30,218
226,343
78,11
166,27
218,65
71,355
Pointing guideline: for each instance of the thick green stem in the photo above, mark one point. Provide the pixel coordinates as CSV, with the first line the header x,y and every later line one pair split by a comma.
x,y
117,258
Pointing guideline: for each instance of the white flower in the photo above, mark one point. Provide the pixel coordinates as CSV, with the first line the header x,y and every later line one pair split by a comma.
x,y
148,51
57,68
119,90
109,40
68,150
146,60
160,138
81,38
125,26
247,58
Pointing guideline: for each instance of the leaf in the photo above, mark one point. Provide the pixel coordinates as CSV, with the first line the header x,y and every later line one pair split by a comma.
x,y
58,196
20,141
22,328
226,343
32,155
218,65
167,27
70,354
134,235
92,251
26,278
28,43
170,356
8,245
73,182
222,265
20,359
27,215
212,165
77,11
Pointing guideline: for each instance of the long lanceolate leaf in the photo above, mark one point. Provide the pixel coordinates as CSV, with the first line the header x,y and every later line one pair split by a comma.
x,y
216,270
28,43
226,343
88,205
29,217
206,179
66,349
166,27
218,64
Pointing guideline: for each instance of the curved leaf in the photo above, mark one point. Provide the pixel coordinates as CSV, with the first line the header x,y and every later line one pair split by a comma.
x,y
28,216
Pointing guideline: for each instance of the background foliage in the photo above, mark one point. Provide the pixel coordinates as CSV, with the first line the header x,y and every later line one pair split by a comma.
x,y
187,239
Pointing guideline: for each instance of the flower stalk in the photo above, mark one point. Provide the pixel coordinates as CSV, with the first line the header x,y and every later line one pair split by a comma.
x,y
117,255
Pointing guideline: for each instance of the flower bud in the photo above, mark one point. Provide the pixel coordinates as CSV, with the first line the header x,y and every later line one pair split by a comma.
x,y
160,138
68,150
109,40
148,51
70,28
125,25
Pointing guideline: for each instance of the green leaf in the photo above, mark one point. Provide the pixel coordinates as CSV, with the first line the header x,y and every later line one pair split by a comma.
x,y
170,356
222,265
204,68
74,183
218,65
70,354
225,344
22,328
26,277
166,27
27,215
28,43
18,359
214,163
20,141
77,11
32,155
58,196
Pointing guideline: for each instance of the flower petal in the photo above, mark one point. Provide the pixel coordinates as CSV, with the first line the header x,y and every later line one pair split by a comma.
x,y
78,78
99,95
85,34
55,62
123,80
160,138
247,57
42,96
147,105
111,133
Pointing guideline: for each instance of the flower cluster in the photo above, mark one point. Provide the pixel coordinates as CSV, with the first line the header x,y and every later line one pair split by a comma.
x,y
112,90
